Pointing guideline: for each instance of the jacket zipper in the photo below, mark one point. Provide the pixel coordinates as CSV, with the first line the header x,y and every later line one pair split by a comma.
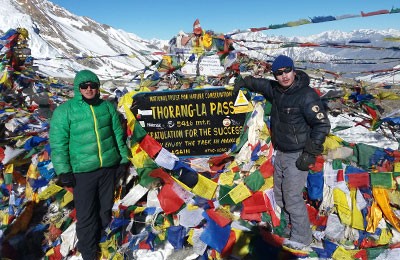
x,y
97,135
294,133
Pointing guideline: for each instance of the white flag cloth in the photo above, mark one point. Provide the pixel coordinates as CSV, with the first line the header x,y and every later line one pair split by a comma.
x,y
134,195
11,153
166,159
69,239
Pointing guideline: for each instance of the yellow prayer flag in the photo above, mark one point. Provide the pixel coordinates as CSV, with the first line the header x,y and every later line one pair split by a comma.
x,y
28,191
5,219
191,207
106,246
394,196
268,184
373,218
58,222
357,220
138,210
207,41
190,238
396,167
342,206
162,236
239,193
138,156
386,95
50,252
342,254
332,142
205,187
118,256
385,237
232,165
51,190
68,197
33,172
9,168
183,185
226,178
382,198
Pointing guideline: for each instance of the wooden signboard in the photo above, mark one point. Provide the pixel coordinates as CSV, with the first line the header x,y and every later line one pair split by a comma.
x,y
190,122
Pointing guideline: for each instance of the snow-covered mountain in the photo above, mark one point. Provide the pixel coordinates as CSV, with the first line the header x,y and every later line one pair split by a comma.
x,y
60,40
344,52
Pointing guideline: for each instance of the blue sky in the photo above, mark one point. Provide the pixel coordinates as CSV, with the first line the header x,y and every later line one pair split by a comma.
x,y
163,19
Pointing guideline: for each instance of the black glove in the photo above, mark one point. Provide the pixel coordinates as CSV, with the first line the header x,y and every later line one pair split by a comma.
x,y
239,83
313,148
121,170
305,160
66,180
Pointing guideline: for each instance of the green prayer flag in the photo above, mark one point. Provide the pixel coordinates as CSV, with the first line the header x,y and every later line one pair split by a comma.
x,y
242,139
138,134
223,197
374,252
382,180
254,181
340,128
144,173
337,164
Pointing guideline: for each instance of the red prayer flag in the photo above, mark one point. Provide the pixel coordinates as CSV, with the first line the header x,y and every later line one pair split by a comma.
x,y
362,254
358,180
170,202
276,221
144,245
160,173
340,175
218,162
267,169
250,216
229,245
150,146
315,219
371,112
218,217
57,254
318,165
255,203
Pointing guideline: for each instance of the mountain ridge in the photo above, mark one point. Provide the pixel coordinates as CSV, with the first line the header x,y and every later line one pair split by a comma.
x,y
63,43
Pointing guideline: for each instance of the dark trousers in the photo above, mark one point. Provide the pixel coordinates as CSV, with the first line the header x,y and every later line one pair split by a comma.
x,y
93,199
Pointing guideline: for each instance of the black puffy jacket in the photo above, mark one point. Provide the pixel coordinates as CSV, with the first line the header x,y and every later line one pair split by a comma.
x,y
297,114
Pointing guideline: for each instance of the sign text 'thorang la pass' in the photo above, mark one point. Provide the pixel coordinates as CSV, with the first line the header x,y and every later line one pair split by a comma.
x,y
190,122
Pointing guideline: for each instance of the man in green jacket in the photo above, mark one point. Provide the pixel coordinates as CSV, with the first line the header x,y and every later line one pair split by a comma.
x,y
87,150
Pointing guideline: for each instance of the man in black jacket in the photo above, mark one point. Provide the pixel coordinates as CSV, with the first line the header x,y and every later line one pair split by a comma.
x,y
299,126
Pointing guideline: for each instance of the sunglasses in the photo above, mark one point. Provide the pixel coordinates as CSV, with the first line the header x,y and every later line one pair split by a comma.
x,y
285,70
92,85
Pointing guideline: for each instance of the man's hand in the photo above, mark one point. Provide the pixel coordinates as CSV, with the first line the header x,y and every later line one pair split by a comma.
x,y
239,83
66,180
121,170
313,148
305,161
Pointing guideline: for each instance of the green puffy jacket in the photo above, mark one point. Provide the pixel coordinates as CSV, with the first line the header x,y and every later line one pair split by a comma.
x,y
85,137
